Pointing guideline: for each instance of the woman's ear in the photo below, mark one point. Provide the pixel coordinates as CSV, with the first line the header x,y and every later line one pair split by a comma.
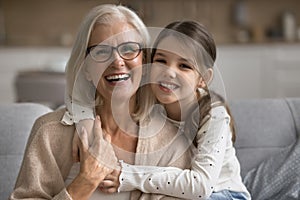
x,y
206,78
87,75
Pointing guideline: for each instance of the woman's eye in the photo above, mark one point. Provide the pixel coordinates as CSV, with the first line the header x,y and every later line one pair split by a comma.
x,y
102,51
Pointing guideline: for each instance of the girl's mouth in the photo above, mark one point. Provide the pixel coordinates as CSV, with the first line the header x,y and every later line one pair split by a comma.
x,y
117,77
168,86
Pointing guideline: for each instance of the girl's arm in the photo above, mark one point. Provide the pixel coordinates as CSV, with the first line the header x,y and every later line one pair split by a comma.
x,y
197,182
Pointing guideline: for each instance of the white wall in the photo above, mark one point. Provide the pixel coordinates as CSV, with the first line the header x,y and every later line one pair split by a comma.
x,y
15,59
260,71
247,71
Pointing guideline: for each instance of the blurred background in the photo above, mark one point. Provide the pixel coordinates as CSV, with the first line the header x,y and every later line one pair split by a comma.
x,y
258,43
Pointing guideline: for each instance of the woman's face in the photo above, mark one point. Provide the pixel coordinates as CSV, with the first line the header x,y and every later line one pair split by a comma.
x,y
173,73
114,77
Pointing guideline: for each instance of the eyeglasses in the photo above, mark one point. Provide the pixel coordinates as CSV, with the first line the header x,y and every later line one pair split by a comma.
x,y
102,53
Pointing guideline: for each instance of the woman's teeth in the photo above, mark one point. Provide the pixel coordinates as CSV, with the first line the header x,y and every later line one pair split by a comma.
x,y
118,77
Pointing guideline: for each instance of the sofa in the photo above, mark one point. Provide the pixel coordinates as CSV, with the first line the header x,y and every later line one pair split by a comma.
x,y
267,131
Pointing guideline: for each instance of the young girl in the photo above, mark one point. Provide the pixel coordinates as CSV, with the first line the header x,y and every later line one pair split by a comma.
x,y
183,57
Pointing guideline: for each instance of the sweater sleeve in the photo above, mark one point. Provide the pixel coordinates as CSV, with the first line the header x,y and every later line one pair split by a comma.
x,y
46,163
195,183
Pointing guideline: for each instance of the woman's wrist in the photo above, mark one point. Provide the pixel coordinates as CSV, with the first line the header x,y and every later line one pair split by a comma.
x,y
81,188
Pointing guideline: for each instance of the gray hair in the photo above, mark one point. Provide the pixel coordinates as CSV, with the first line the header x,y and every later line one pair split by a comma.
x,y
102,14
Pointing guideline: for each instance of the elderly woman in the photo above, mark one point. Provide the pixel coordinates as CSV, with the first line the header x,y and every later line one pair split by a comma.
x,y
102,71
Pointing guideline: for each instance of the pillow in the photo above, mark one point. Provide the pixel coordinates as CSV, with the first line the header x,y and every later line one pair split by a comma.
x,y
278,177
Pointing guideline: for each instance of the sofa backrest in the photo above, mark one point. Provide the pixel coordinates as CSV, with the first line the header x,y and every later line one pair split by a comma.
x,y
263,128
16,121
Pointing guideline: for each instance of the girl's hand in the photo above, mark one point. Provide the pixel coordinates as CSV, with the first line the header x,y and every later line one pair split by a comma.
x,y
111,182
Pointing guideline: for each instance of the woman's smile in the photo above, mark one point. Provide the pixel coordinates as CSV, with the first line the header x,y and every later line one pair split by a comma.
x,y
118,78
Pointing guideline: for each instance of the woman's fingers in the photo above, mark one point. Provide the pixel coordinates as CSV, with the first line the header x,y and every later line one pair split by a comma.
x,y
75,147
98,129
84,138
107,137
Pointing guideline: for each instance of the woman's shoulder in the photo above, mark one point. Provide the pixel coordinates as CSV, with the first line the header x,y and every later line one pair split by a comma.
x,y
50,125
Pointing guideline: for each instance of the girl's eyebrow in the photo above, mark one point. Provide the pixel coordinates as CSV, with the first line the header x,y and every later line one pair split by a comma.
x,y
186,60
181,59
160,54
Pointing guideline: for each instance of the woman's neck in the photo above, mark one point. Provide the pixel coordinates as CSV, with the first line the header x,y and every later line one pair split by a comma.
x,y
116,116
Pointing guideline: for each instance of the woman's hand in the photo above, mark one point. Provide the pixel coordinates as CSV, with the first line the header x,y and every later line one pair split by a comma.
x,y
111,182
96,162
88,124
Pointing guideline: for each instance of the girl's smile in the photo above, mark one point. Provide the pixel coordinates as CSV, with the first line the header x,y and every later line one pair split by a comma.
x,y
174,77
167,86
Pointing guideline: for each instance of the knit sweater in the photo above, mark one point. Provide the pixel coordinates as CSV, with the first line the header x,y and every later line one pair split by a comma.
x,y
48,155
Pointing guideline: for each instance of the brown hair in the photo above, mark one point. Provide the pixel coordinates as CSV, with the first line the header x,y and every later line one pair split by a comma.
x,y
200,36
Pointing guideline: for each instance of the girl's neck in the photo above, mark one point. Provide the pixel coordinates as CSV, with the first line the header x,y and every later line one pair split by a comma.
x,y
179,111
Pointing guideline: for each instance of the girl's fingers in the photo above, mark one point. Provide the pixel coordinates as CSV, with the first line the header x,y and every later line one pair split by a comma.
x,y
108,190
108,186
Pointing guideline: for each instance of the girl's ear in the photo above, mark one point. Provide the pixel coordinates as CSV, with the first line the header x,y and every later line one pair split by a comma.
x,y
206,78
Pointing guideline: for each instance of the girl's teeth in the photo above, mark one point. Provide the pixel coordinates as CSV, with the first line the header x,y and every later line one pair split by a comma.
x,y
169,86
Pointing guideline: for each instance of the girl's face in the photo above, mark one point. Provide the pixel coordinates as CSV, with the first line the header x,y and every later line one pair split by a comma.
x,y
115,76
173,73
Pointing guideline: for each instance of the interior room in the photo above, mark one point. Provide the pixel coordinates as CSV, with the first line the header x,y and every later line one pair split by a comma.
x,y
257,68
258,44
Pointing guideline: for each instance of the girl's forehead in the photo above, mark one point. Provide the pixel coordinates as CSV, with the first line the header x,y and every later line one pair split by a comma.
x,y
173,45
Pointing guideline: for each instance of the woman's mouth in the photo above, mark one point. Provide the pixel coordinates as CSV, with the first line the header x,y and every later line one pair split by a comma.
x,y
117,77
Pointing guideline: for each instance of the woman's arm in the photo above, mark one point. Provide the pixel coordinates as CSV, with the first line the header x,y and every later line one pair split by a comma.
x,y
194,183
45,162
48,159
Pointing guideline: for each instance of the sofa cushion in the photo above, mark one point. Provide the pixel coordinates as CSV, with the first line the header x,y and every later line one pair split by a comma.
x,y
16,121
277,177
263,128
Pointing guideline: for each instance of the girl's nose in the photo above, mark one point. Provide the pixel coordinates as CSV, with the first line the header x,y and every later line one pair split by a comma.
x,y
169,72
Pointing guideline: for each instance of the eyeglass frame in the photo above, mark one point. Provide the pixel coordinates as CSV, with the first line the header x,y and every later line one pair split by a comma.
x,y
88,51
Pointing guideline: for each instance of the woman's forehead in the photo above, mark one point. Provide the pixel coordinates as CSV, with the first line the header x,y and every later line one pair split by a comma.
x,y
113,34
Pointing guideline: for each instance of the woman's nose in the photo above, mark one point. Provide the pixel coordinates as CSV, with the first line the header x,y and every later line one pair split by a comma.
x,y
117,60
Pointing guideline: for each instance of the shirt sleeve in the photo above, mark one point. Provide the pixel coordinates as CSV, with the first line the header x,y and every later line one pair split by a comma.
x,y
195,183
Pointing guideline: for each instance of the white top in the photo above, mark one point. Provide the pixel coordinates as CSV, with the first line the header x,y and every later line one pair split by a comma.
x,y
214,168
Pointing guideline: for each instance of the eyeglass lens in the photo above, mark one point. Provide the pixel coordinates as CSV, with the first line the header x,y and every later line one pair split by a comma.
x,y
127,51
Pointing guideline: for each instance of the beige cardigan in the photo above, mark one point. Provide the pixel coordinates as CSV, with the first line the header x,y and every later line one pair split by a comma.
x,y
48,157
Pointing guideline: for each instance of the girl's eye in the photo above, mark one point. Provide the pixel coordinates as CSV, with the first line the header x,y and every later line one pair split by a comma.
x,y
160,61
185,66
